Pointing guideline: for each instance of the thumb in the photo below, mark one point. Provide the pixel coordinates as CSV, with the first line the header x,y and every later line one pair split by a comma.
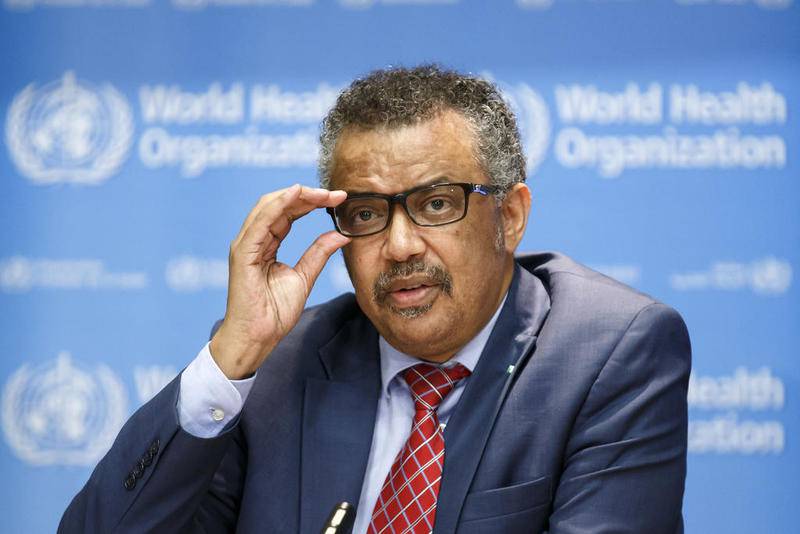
x,y
314,258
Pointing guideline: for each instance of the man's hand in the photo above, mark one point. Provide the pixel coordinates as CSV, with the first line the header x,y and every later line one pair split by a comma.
x,y
266,297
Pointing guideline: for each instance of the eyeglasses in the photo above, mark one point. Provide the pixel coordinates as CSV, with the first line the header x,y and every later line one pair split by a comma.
x,y
363,214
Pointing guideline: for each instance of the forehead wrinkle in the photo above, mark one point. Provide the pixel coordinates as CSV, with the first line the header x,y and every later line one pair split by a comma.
x,y
438,179
396,182
387,159
391,171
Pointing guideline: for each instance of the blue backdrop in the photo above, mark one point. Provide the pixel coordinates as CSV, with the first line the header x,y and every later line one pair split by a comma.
x,y
662,138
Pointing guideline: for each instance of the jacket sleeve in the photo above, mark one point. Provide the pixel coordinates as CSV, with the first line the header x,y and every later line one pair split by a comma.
x,y
158,478
625,463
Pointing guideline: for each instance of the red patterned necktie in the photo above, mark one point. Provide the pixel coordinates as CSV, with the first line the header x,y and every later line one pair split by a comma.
x,y
407,502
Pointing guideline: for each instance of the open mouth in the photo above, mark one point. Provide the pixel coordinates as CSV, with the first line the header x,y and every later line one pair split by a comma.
x,y
411,286
408,295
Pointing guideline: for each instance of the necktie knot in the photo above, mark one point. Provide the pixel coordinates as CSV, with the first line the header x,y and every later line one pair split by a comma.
x,y
430,384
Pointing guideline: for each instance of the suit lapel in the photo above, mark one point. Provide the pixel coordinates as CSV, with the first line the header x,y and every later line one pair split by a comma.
x,y
468,429
338,421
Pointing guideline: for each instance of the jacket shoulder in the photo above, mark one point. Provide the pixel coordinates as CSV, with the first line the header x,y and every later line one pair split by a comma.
x,y
584,297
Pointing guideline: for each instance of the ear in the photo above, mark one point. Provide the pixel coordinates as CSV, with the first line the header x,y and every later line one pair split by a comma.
x,y
515,209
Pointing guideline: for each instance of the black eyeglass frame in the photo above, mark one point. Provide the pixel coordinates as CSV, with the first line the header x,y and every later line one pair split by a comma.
x,y
400,198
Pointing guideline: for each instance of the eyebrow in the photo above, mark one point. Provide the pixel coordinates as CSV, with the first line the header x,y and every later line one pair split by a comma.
x,y
433,181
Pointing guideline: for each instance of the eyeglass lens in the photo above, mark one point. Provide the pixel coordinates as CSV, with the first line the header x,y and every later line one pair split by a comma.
x,y
428,207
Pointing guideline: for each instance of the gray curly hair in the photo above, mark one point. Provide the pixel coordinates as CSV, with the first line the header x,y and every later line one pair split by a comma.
x,y
400,96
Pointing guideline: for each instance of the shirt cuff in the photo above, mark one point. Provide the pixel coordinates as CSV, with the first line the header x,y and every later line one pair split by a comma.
x,y
208,400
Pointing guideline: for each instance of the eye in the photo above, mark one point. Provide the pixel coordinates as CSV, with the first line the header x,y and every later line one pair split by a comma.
x,y
437,204
361,212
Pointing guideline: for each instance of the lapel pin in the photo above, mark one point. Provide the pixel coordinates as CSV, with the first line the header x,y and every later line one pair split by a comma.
x,y
510,369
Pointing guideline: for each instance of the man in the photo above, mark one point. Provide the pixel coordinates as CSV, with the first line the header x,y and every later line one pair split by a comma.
x,y
461,389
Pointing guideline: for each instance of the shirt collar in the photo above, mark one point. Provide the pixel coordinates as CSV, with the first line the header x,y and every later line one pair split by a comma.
x,y
393,361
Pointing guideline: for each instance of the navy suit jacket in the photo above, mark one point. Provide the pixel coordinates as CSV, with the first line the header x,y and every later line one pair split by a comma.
x,y
574,421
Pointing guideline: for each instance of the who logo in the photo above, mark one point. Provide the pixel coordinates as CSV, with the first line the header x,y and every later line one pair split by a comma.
x,y
62,413
533,117
69,131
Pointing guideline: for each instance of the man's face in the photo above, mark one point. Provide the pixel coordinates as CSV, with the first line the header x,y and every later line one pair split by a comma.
x,y
428,290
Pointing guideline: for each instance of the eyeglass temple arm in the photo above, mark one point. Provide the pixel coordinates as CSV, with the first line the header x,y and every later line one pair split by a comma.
x,y
484,189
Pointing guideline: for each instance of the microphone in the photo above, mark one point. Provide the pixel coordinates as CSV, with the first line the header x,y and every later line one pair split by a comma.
x,y
341,519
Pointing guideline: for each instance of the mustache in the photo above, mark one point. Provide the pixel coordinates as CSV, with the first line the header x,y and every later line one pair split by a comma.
x,y
435,275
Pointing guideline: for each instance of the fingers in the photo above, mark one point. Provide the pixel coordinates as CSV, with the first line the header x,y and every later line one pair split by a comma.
x,y
316,198
264,199
271,218
313,260
259,213
308,200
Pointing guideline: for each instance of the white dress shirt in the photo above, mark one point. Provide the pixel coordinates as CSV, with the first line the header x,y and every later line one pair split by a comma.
x,y
208,401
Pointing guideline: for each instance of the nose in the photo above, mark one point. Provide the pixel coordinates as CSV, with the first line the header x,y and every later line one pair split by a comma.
x,y
402,237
